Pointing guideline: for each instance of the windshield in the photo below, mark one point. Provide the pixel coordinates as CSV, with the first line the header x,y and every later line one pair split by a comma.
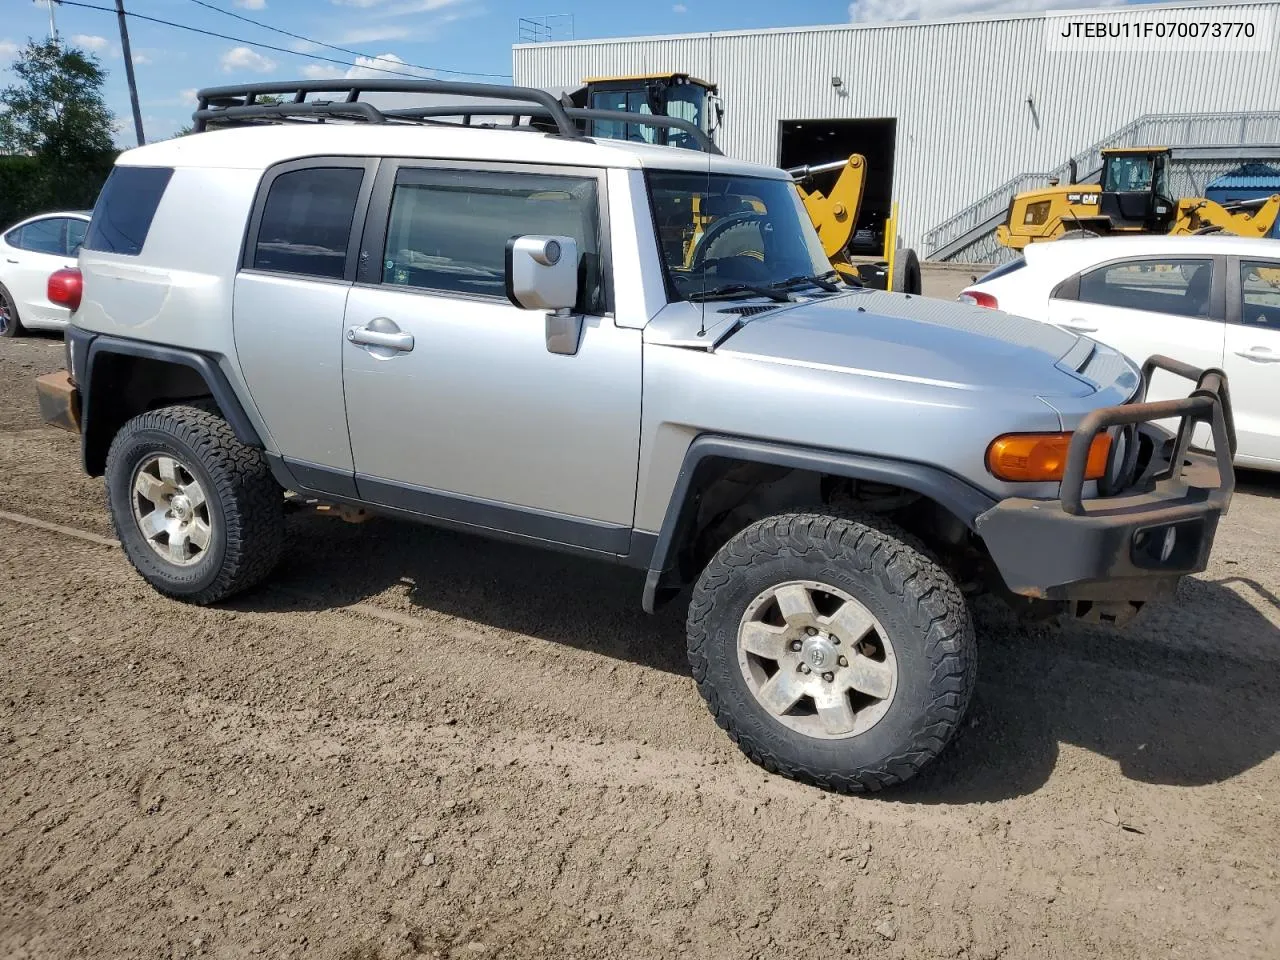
x,y
719,231
1128,175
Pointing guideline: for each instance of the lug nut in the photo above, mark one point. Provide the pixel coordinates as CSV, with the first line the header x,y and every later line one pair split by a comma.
x,y
811,631
804,668
795,645
835,640
842,661
828,677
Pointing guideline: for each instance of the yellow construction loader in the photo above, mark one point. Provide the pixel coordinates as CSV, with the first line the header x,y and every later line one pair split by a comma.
x,y
834,213
1132,196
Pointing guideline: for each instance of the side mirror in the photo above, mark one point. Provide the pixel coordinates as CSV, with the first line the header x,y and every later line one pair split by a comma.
x,y
542,272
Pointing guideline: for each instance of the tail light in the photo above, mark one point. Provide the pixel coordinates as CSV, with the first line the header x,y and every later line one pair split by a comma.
x,y
66,287
980,298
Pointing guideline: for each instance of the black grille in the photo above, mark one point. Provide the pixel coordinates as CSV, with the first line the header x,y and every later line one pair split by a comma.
x,y
749,310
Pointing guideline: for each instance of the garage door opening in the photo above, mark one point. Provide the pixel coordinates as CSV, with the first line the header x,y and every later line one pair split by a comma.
x,y
821,141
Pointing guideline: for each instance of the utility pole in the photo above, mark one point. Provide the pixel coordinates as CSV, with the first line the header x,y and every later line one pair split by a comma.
x,y
128,70
53,24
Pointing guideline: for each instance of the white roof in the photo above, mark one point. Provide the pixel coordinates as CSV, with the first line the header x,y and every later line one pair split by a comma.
x,y
256,148
1083,250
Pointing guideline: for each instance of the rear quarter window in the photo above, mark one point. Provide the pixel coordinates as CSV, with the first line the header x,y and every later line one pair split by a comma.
x,y
125,208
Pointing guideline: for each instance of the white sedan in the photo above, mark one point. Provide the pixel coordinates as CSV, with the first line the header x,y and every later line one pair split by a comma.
x,y
29,252
1210,301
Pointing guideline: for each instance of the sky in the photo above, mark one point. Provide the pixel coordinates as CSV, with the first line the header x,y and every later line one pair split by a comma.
x,y
472,37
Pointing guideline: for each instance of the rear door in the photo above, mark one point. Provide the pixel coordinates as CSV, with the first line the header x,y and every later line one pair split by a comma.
x,y
32,252
1252,359
290,297
1142,306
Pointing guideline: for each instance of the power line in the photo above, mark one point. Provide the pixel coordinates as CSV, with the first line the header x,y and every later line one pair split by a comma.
x,y
330,46
268,46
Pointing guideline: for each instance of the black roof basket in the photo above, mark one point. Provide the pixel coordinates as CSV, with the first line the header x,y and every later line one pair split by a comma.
x,y
239,103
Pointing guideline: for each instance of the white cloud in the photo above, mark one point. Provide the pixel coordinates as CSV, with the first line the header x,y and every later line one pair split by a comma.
x,y
141,60
397,8
242,58
90,42
373,34
873,11
251,4
321,71
364,69
188,95
7,49
679,8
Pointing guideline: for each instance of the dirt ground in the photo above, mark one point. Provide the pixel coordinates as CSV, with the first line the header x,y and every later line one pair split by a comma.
x,y
413,743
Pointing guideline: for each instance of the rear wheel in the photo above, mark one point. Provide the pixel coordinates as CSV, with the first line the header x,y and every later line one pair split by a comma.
x,y
197,511
10,325
832,650
906,272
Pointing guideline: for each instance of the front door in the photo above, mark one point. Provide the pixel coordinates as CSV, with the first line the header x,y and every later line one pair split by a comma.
x,y
1252,360
455,406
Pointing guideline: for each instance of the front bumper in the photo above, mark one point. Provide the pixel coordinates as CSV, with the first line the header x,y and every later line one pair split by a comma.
x,y
59,400
1137,544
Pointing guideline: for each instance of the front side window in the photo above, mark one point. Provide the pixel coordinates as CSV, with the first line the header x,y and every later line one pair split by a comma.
x,y
42,236
306,222
719,233
1260,293
448,229
1178,287
125,208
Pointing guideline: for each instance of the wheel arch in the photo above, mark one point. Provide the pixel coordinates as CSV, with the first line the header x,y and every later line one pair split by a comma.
x,y
709,456
120,378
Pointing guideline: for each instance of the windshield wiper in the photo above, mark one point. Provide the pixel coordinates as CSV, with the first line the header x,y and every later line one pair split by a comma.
x,y
732,291
822,281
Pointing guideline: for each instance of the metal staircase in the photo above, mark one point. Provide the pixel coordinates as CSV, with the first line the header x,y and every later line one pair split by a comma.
x,y
1205,146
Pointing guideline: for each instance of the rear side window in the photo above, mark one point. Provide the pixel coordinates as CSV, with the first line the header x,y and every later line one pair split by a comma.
x,y
1179,287
125,208
306,222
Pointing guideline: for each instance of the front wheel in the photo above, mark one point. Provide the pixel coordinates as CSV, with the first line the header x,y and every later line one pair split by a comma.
x,y
832,650
10,325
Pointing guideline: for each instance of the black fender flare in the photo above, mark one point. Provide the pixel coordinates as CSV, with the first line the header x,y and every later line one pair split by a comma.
x,y
87,348
958,496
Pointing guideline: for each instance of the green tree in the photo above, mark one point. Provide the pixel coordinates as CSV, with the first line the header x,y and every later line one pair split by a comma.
x,y
55,110
55,118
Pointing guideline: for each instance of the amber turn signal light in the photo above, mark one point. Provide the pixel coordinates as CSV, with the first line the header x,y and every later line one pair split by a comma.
x,y
1043,456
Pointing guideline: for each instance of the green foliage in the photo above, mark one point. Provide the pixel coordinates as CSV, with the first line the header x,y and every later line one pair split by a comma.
x,y
56,128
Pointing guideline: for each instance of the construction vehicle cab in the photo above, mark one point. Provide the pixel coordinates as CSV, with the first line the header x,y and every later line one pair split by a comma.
x,y
1135,190
668,94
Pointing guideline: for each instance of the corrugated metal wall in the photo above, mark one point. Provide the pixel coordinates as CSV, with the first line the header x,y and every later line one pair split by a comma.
x,y
958,90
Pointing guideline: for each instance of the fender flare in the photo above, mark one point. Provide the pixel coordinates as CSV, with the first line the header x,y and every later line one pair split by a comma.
x,y
958,496
88,348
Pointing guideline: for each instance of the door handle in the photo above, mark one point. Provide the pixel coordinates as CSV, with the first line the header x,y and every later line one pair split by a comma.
x,y
9,260
394,339
1260,355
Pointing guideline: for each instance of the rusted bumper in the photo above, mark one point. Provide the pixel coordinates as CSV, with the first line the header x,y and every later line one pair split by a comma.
x,y
1138,543
59,400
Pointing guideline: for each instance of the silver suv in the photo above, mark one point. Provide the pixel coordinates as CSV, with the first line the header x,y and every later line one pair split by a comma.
x,y
629,352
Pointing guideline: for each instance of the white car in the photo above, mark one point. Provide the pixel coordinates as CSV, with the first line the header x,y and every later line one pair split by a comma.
x,y
1210,301
29,252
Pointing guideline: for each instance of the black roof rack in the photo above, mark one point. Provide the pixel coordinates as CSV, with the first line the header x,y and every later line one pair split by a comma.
x,y
467,113
239,103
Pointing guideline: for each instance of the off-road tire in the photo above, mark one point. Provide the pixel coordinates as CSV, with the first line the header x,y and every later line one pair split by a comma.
x,y
886,570
13,327
246,505
906,272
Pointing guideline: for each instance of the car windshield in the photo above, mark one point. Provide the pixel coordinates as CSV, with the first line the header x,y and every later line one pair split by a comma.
x,y
725,235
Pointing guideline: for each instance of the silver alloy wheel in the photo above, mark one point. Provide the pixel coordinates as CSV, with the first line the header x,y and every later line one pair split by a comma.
x,y
170,509
6,317
817,659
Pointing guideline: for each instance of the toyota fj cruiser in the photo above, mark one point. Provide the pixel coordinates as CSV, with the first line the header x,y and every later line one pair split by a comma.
x,y
630,352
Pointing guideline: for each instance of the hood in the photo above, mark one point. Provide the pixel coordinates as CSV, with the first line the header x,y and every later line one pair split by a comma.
x,y
917,339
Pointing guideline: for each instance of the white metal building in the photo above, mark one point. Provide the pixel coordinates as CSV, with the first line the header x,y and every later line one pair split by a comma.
x,y
954,114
